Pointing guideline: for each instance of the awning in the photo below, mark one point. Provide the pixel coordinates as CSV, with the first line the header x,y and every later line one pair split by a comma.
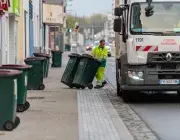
x,y
5,4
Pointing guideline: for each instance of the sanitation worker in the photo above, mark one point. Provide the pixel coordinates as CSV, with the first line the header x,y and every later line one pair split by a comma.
x,y
100,52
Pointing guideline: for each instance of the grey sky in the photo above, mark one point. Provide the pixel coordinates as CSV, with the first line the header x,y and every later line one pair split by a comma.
x,y
88,7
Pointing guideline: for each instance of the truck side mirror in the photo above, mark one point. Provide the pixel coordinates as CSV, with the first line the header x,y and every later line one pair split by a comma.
x,y
118,11
117,25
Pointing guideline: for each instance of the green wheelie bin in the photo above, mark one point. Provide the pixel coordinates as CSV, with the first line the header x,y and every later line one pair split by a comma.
x,y
22,103
67,47
56,58
8,99
46,64
70,70
86,71
35,74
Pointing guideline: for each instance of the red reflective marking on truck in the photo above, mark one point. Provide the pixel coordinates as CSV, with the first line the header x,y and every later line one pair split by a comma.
x,y
137,48
147,48
156,49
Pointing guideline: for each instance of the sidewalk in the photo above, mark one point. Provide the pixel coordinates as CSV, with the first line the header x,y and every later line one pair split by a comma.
x,y
60,113
53,114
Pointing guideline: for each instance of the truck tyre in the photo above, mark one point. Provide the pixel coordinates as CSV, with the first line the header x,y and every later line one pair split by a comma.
x,y
126,96
118,88
131,96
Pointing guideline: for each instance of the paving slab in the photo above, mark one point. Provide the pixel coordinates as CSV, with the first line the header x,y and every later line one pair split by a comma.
x,y
53,114
98,120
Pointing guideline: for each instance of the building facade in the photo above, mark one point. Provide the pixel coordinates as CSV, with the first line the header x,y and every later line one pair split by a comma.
x,y
53,20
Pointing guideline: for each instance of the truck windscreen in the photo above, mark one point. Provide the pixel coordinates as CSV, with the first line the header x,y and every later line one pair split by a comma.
x,y
165,17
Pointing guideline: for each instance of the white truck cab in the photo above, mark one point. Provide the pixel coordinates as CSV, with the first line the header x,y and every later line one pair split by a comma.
x,y
149,54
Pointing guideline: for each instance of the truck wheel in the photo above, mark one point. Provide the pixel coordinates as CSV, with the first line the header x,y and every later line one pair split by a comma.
x,y
131,96
119,91
126,96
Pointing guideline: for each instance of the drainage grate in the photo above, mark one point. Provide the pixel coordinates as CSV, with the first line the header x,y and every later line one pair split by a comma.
x,y
35,98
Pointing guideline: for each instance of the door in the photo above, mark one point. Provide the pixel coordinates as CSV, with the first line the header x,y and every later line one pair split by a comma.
x,y
31,30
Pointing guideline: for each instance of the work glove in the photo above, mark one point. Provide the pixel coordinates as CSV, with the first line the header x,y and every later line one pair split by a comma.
x,y
103,61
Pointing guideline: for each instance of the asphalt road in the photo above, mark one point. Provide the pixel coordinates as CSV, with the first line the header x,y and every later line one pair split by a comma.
x,y
160,111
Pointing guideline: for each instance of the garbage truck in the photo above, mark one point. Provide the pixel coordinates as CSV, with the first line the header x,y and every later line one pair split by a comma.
x,y
148,55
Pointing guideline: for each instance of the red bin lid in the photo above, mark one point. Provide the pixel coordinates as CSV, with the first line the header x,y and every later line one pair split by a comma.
x,y
35,59
42,54
8,66
9,73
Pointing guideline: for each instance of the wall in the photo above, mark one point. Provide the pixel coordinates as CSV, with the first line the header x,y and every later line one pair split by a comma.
x,y
5,38
12,40
36,23
26,42
1,41
47,38
53,14
20,35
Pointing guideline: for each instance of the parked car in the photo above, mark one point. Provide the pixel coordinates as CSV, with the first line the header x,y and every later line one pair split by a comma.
x,y
89,47
107,45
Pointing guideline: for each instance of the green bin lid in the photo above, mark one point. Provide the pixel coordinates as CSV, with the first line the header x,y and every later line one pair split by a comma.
x,y
9,73
56,51
42,55
34,59
90,57
14,66
74,54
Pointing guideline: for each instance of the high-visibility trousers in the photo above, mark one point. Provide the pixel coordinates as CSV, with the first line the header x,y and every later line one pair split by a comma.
x,y
100,75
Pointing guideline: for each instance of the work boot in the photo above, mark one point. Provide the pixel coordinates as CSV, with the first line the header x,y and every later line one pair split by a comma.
x,y
98,86
104,82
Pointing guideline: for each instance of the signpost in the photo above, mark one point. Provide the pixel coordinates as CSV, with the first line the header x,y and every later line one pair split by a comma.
x,y
76,30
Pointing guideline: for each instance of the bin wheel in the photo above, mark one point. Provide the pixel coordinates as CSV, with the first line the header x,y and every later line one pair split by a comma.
x,y
9,126
78,87
83,87
42,87
20,108
90,85
70,86
17,121
27,105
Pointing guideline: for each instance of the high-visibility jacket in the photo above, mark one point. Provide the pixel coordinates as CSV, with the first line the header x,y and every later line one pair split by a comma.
x,y
101,54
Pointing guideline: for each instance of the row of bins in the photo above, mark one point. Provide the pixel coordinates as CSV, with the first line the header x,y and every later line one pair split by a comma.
x,y
15,80
80,71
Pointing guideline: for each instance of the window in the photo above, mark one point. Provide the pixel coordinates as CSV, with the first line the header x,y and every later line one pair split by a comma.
x,y
166,17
